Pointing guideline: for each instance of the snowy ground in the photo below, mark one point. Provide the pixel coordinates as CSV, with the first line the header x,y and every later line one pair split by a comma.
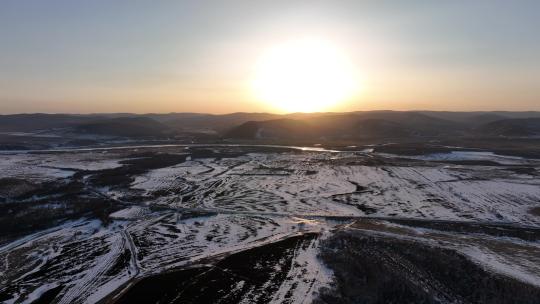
x,y
199,211
50,166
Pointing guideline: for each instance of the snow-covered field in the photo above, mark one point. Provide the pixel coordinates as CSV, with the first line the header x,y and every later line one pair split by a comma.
x,y
321,184
50,166
201,210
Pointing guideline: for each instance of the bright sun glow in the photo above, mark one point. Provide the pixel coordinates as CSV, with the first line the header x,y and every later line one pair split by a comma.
x,y
304,76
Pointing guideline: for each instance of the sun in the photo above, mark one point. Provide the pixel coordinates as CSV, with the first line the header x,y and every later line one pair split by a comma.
x,y
304,76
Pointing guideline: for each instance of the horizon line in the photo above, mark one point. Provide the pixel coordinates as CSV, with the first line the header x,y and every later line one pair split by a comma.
x,y
269,113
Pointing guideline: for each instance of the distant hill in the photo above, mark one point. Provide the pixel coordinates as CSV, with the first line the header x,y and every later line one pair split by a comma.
x,y
385,124
380,128
125,127
512,127
485,118
40,122
220,123
476,118
416,123
272,129
324,126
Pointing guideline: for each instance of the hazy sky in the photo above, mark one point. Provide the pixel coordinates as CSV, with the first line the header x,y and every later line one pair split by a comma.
x,y
199,56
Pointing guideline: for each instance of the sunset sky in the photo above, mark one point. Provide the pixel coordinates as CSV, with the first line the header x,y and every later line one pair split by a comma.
x,y
204,56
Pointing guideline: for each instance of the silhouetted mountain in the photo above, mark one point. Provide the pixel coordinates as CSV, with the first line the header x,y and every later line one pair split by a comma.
x,y
512,127
38,121
193,121
125,127
384,124
479,117
418,124
323,126
380,128
485,118
272,129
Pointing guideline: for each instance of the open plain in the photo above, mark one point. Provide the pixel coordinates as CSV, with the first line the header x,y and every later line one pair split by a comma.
x,y
268,224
